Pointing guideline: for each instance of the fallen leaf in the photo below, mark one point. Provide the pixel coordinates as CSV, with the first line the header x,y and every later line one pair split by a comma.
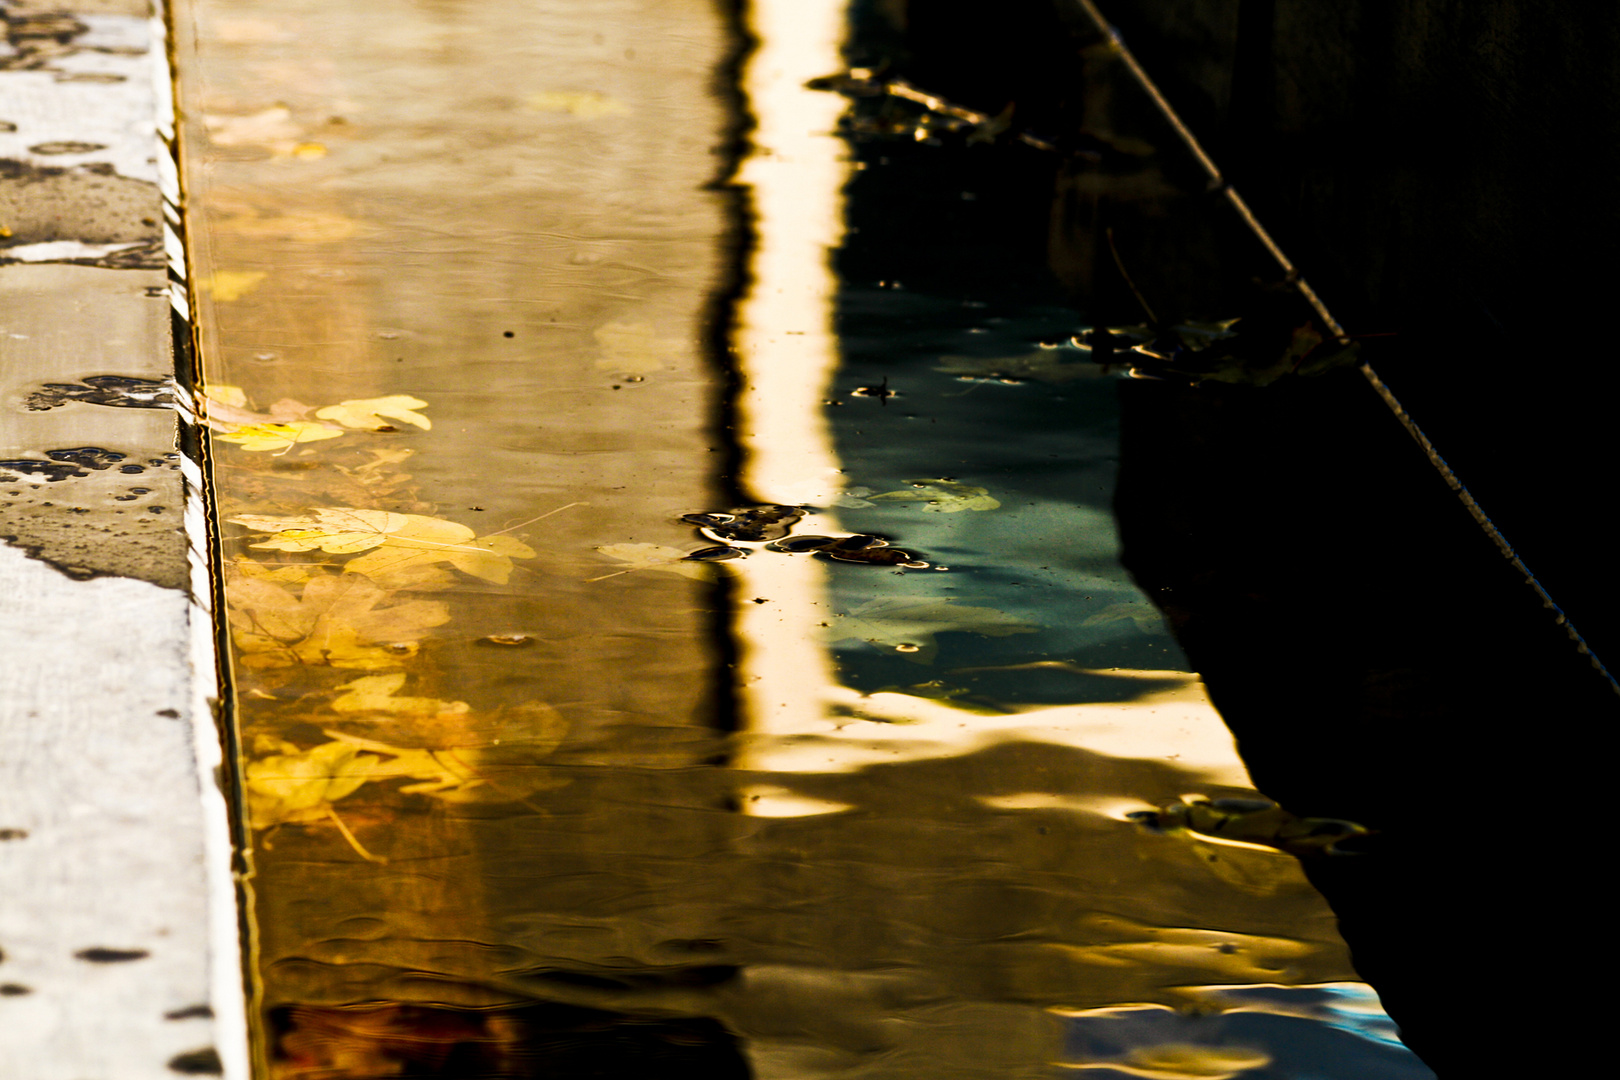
x,y
403,560
649,557
463,774
273,128
908,625
280,436
941,496
404,543
228,285
1178,1061
374,413
343,530
297,574
227,409
298,787
337,621
380,693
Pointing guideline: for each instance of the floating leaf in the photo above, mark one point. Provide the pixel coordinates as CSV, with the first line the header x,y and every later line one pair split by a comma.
x,y
343,530
402,561
375,413
404,543
312,227
227,285
649,557
908,625
227,409
280,436
379,693
856,498
942,496
337,621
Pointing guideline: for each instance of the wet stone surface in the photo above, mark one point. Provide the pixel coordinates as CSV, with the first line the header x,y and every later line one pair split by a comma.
x,y
89,474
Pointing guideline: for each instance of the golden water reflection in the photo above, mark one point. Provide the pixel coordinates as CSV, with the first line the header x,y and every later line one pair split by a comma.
x,y
516,802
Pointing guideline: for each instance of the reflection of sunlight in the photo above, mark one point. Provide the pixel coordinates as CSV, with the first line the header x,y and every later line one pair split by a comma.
x,y
1177,726
796,174
786,351
799,718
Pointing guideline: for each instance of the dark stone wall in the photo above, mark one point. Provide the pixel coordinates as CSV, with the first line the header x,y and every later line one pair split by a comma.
x,y
1442,170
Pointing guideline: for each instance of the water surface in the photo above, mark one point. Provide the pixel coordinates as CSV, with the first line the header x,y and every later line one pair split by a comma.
x,y
508,310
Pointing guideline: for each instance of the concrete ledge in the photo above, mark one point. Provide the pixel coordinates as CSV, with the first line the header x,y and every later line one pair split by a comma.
x,y
119,955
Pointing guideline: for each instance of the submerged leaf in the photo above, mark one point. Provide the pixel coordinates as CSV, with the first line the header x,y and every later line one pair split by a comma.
x,y
280,436
941,496
372,414
650,557
227,285
293,786
403,560
404,544
338,621
343,530
378,693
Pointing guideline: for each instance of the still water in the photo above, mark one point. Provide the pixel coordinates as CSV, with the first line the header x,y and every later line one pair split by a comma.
x,y
676,618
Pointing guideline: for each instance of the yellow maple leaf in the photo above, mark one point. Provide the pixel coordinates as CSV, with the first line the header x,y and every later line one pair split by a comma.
x,y
294,787
404,543
373,414
650,557
280,436
228,285
297,574
337,621
451,775
380,693
397,563
298,787
343,530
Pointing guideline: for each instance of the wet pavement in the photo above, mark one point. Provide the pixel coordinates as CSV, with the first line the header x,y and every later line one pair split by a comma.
x,y
118,952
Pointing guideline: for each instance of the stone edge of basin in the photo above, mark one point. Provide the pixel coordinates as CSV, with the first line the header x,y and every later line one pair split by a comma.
x,y
120,949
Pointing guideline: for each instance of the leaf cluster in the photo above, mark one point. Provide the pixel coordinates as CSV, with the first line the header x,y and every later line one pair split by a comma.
x,y
328,627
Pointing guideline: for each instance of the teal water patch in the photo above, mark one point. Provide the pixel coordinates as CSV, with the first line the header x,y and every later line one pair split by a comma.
x,y
1330,1031
1003,481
